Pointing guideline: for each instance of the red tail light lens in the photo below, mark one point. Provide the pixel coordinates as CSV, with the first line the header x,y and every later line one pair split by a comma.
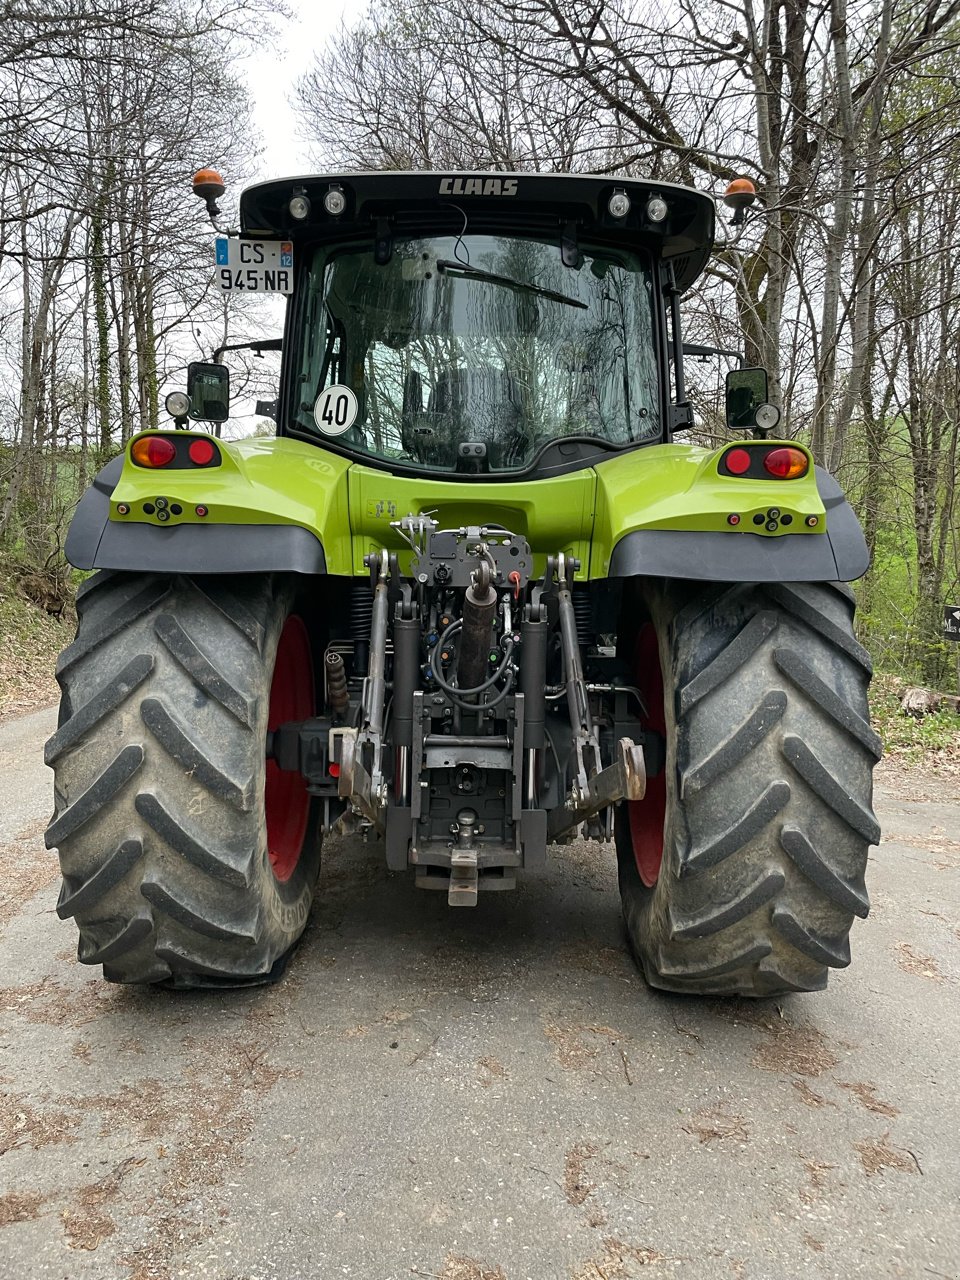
x,y
737,461
786,463
153,451
201,452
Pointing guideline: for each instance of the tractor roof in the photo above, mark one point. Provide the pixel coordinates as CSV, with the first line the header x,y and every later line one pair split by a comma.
x,y
549,205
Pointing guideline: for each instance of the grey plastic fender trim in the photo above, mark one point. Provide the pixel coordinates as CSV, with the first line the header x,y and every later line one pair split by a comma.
x,y
97,542
839,555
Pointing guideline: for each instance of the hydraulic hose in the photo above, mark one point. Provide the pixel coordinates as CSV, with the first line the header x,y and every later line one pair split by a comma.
x,y
454,690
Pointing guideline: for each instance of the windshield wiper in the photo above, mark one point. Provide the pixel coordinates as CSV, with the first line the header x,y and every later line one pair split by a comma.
x,y
449,267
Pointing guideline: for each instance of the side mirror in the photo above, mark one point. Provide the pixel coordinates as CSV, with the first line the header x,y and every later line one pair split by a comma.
x,y
746,401
208,386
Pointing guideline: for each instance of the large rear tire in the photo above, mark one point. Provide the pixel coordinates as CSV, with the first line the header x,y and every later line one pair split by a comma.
x,y
743,868
187,857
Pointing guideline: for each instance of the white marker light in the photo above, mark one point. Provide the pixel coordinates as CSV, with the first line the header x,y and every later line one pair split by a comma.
x,y
177,404
766,416
619,205
299,208
335,202
656,209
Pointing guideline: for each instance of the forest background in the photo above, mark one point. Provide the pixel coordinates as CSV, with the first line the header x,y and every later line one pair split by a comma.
x,y
844,284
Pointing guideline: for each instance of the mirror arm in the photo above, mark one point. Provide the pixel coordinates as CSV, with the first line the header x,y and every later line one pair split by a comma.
x,y
265,344
703,353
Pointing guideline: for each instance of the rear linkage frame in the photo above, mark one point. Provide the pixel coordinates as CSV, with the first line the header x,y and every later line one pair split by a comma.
x,y
441,744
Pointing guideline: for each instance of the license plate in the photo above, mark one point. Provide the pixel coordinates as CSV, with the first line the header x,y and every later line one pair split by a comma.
x,y
254,266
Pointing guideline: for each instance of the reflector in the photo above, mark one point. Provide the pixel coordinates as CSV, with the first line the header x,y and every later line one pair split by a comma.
x,y
738,461
201,452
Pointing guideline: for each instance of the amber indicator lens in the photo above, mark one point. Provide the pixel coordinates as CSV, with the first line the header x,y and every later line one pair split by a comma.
x,y
786,463
737,461
153,451
201,452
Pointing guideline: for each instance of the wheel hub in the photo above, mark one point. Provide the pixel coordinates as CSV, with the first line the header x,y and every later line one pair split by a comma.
x,y
286,799
647,815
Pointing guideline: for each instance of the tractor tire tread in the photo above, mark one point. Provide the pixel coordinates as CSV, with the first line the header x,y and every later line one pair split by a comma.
x,y
86,718
109,875
101,790
158,782
834,952
808,683
722,915
122,936
770,755
729,660
201,670
107,622
230,607
212,921
715,849
224,863
192,757
795,601
820,780
737,745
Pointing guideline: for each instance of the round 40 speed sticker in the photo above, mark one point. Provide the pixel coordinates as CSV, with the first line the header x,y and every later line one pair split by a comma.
x,y
335,410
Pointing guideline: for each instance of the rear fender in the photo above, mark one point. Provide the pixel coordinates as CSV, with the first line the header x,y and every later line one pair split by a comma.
x,y
269,506
679,519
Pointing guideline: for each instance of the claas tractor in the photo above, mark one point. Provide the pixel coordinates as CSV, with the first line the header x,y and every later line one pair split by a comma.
x,y
477,598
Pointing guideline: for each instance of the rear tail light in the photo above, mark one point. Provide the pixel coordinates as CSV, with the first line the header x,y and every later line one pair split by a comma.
x,y
760,462
786,463
201,452
180,452
153,451
738,461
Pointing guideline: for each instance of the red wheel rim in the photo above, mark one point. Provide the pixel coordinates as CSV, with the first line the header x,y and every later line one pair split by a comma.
x,y
647,815
286,799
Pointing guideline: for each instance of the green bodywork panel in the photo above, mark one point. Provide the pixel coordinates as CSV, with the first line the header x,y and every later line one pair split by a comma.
x,y
553,515
678,486
349,507
261,480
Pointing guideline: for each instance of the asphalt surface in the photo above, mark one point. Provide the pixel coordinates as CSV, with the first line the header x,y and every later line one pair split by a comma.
x,y
481,1095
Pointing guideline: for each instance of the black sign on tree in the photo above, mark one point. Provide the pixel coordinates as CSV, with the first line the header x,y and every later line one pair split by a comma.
x,y
951,631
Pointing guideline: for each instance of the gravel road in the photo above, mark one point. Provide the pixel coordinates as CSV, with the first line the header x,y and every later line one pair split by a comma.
x,y
481,1095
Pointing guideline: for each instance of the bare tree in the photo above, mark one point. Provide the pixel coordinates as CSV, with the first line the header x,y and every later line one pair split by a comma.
x,y
844,113
104,258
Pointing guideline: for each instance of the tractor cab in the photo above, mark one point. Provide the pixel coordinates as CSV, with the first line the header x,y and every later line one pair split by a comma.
x,y
470,326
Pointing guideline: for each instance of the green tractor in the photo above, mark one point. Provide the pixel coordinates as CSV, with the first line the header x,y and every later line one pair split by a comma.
x,y
476,598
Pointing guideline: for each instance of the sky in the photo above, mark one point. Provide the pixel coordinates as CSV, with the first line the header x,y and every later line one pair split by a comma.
x,y
272,74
